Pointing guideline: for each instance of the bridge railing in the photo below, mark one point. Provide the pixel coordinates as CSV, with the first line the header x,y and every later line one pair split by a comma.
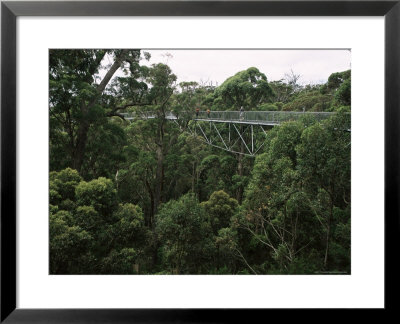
x,y
138,115
146,115
271,117
274,117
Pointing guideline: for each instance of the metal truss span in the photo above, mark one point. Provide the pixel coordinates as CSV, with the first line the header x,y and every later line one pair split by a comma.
x,y
246,139
233,131
243,132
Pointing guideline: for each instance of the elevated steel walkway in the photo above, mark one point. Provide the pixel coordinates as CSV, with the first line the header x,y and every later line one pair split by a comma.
x,y
234,131
266,118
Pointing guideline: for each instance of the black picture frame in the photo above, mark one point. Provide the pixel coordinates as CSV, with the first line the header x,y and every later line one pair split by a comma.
x,y
10,10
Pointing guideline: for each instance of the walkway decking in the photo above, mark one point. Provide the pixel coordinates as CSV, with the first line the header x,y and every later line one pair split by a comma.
x,y
265,118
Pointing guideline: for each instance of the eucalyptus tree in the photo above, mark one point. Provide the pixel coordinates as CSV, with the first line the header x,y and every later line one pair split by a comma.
x,y
151,135
185,236
78,98
246,89
339,87
324,166
273,210
297,202
90,232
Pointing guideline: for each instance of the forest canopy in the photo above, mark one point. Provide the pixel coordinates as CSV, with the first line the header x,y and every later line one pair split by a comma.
x,y
148,196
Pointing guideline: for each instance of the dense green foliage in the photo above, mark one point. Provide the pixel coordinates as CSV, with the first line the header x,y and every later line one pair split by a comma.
x,y
148,197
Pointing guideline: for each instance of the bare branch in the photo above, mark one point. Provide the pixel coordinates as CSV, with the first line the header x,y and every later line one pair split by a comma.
x,y
243,258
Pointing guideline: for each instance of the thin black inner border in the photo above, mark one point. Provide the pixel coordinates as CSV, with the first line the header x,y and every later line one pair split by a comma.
x,y
10,10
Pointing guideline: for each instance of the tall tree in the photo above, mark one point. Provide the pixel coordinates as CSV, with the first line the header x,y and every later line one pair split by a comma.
x,y
339,87
151,135
247,89
324,165
76,93
185,235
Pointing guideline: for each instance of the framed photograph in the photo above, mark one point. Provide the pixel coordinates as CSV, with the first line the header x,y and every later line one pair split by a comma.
x,y
188,161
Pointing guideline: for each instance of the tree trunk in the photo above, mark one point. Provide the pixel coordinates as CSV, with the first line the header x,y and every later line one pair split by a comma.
x,y
83,129
151,216
159,177
79,151
160,165
217,257
328,234
193,176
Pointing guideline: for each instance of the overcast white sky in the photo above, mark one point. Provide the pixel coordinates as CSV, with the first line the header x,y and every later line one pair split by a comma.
x,y
314,66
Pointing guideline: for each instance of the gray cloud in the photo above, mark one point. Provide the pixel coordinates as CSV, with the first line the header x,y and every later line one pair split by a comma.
x,y
314,66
